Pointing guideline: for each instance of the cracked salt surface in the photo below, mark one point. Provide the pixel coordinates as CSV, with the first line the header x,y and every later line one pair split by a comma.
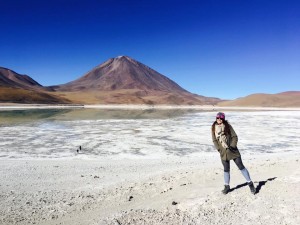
x,y
139,133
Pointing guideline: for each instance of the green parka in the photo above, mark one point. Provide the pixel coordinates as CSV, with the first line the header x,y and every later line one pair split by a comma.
x,y
227,154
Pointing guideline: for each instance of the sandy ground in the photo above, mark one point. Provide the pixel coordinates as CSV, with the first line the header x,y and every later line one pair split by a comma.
x,y
147,191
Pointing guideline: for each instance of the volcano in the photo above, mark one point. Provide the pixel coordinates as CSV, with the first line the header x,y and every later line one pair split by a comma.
x,y
124,80
122,72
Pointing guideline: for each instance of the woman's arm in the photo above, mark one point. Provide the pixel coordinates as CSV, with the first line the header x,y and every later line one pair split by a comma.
x,y
215,141
234,137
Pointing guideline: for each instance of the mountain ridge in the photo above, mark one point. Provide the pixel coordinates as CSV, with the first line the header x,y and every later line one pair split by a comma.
x,y
283,99
123,80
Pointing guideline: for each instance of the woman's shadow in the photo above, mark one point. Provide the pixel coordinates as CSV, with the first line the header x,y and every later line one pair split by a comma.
x,y
258,187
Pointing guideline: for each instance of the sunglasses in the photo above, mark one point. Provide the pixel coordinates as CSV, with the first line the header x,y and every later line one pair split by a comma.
x,y
219,118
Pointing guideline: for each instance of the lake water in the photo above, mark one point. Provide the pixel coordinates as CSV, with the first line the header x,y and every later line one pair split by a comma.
x,y
58,133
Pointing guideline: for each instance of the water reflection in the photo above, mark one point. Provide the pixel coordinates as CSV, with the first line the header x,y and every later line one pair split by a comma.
x,y
24,116
30,115
96,114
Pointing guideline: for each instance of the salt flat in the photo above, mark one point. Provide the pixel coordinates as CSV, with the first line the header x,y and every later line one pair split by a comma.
x,y
134,165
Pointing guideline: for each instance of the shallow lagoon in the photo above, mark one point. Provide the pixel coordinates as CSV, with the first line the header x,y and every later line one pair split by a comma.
x,y
151,133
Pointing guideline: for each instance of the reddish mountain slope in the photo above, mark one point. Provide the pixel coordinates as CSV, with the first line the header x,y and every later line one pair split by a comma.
x,y
124,80
16,88
9,78
122,73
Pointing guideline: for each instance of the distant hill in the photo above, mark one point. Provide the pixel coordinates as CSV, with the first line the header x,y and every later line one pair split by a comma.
x,y
124,80
9,78
290,93
284,99
16,88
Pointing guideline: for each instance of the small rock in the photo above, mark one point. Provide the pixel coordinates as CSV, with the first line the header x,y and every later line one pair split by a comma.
x,y
174,203
130,198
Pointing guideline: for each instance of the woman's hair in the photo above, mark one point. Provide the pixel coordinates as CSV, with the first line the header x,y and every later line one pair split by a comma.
x,y
226,129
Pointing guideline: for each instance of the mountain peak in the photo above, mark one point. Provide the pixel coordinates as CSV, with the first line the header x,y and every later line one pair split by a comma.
x,y
124,58
121,56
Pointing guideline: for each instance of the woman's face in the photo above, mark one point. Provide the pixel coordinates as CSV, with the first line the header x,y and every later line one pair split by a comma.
x,y
219,120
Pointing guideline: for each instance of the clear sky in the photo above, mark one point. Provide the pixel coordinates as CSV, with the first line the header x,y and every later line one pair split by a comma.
x,y
218,48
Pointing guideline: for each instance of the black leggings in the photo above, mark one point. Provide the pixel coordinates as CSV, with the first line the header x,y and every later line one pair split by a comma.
x,y
238,162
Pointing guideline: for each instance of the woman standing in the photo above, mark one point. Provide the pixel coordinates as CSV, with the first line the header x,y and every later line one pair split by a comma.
x,y
225,141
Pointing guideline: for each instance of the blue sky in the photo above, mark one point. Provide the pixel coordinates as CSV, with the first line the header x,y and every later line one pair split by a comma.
x,y
226,49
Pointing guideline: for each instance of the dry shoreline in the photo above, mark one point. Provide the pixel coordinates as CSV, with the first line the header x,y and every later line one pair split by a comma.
x,y
147,191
